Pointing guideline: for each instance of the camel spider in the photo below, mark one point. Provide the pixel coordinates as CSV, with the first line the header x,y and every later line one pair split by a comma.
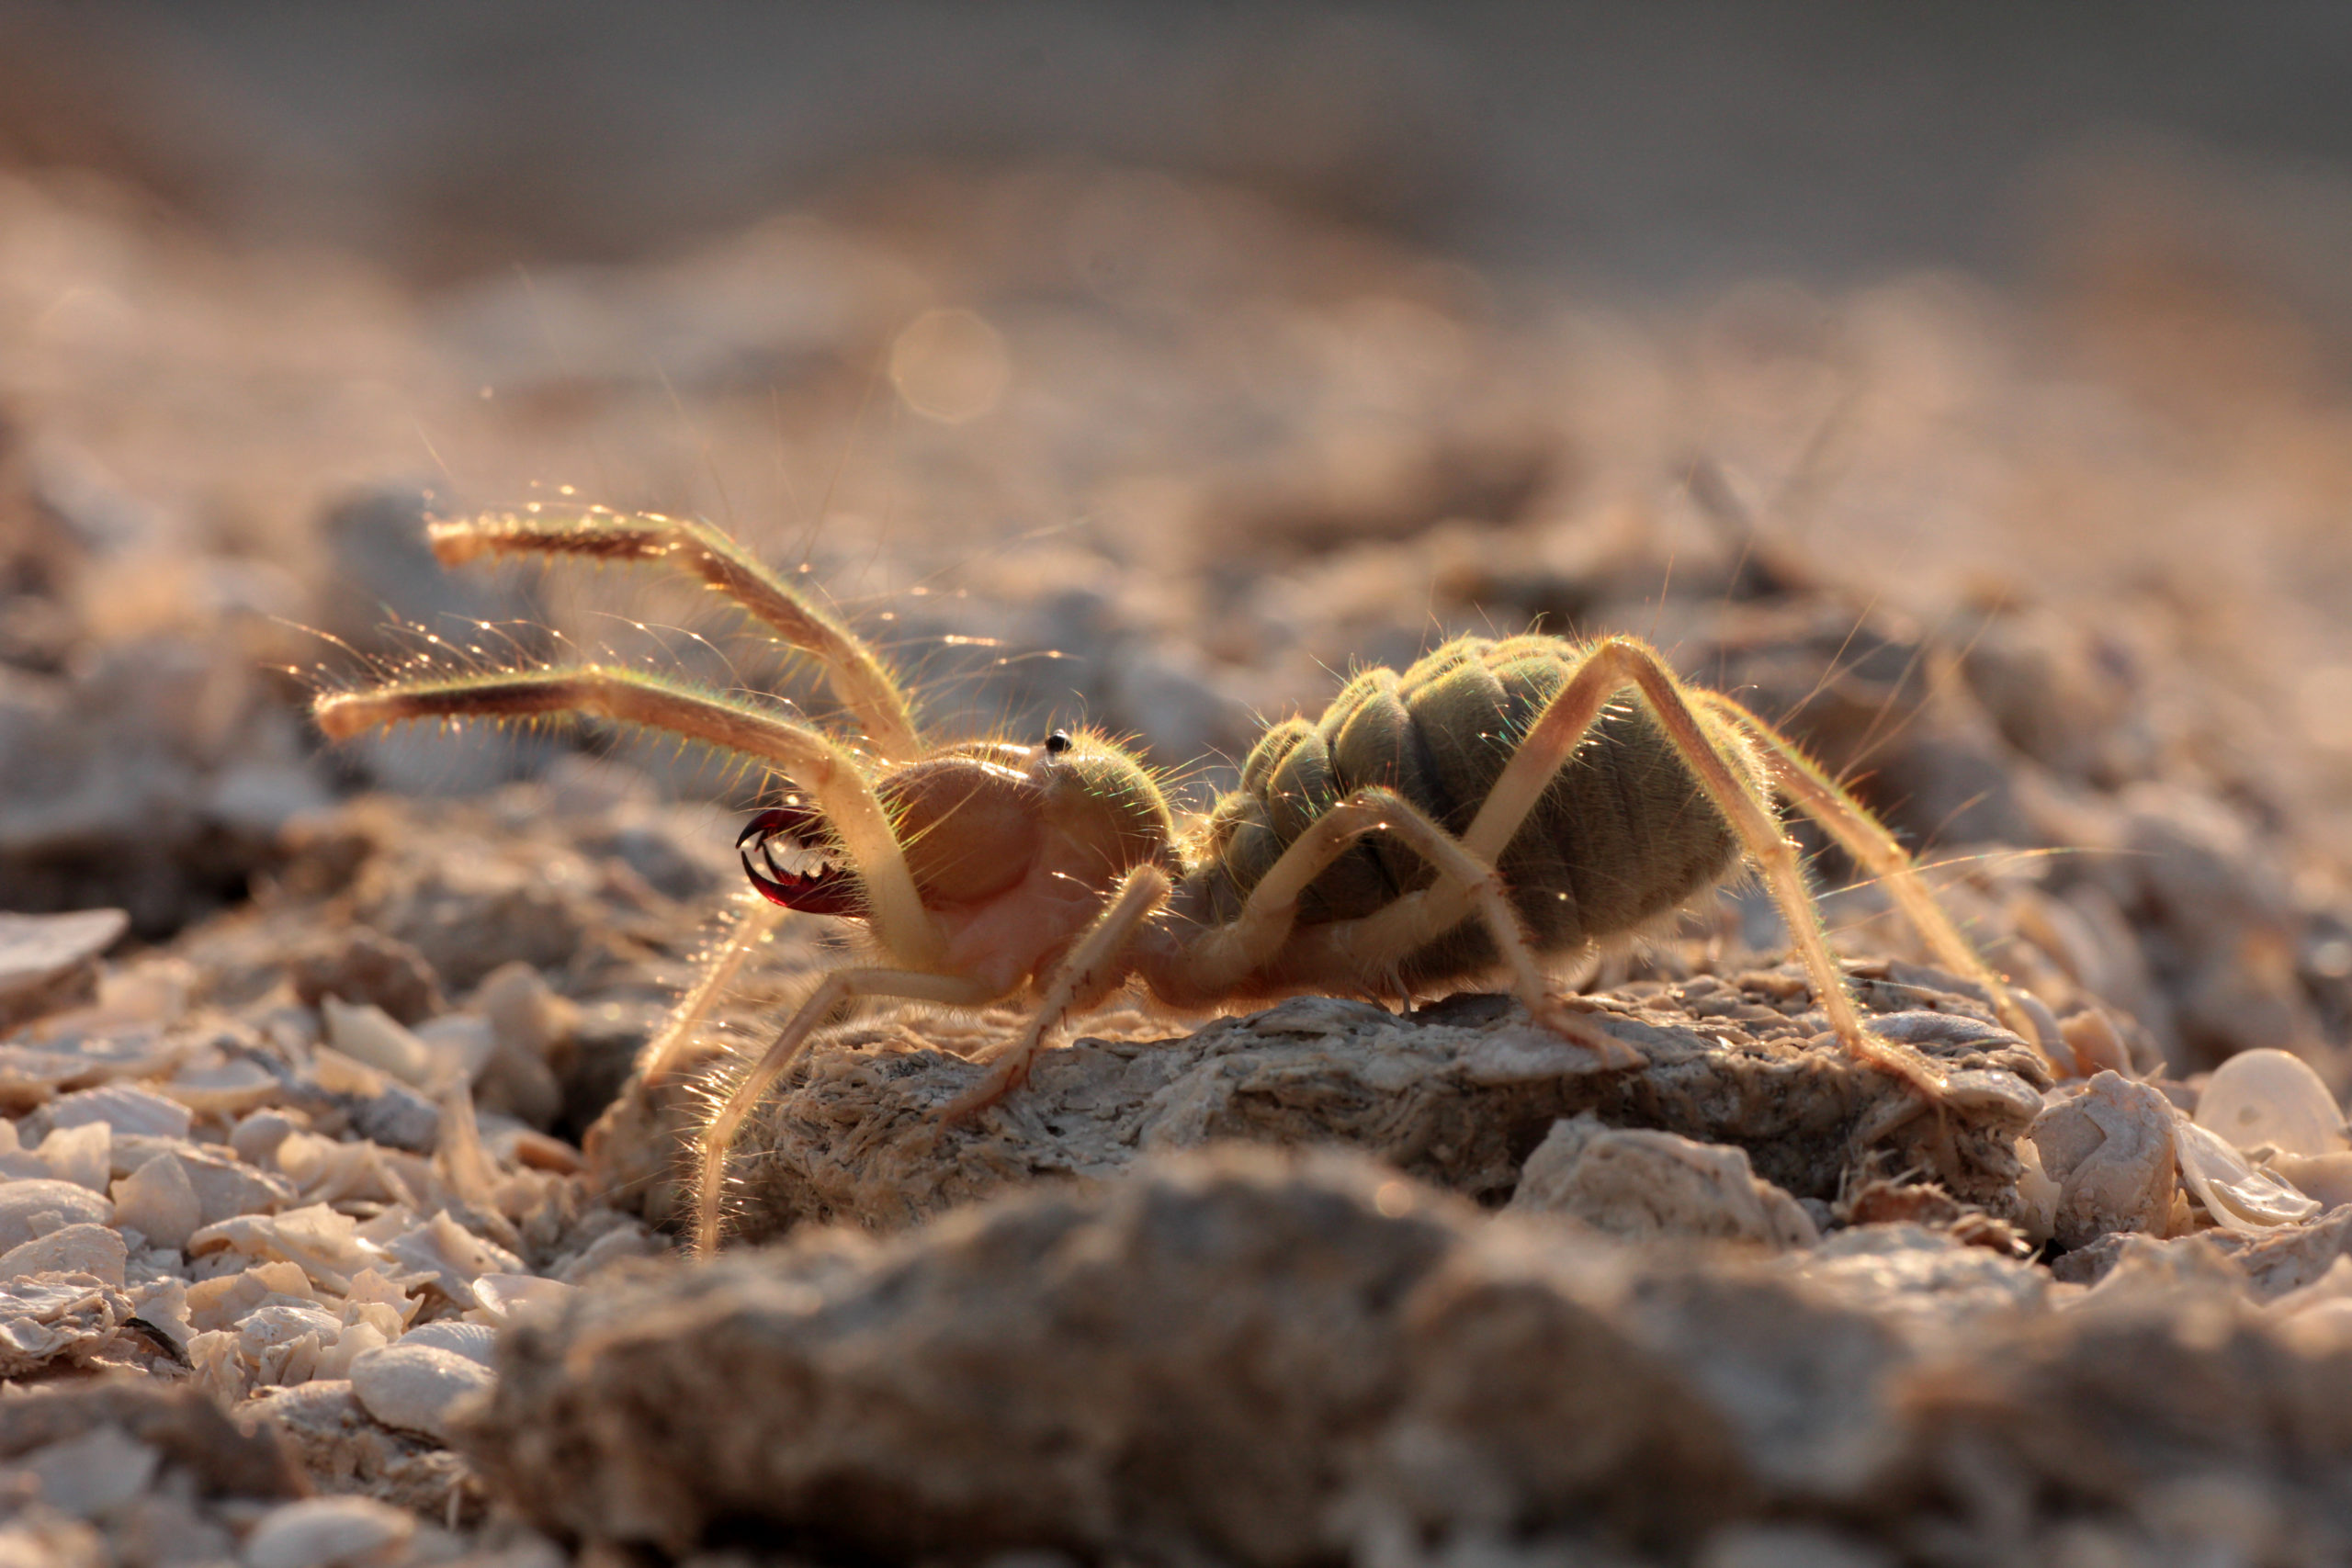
x,y
1490,804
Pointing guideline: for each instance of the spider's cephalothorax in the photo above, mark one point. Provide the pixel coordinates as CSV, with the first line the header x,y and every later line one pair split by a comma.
x,y
1497,803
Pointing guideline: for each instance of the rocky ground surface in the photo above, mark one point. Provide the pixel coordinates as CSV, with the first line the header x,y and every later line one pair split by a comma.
x,y
336,1227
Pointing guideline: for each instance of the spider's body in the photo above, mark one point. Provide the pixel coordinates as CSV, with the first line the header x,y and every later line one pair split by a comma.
x,y
1495,803
1621,835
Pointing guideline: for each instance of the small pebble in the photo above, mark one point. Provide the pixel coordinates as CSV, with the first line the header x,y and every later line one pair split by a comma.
x,y
321,1532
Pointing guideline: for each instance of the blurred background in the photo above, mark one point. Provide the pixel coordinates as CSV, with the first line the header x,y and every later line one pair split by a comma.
x,y
1971,388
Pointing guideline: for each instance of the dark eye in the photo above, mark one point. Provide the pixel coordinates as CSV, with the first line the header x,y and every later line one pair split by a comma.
x,y
1057,742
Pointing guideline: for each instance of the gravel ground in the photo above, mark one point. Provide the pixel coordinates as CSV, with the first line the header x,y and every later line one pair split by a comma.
x,y
336,1221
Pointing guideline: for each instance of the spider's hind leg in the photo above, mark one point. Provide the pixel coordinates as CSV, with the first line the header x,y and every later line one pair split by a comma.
x,y
1708,744
1876,850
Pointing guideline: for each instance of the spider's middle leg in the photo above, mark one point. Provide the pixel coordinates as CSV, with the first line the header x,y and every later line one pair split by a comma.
x,y
1264,937
1099,961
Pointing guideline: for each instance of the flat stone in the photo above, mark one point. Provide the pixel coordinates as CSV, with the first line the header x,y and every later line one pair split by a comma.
x,y
49,962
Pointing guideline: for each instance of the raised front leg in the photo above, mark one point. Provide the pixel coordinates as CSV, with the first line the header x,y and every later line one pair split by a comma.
x,y
812,759
855,672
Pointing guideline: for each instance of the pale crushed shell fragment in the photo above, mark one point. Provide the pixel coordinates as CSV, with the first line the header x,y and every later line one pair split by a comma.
x,y
15,1160
2234,1191
453,1256
160,1202
417,1388
326,1244
38,1206
31,1072
258,1134
55,1315
474,1341
48,961
1641,1184
329,1532
223,1303
2327,1179
126,1108
2272,1096
95,1250
502,1295
83,1155
224,1185
1990,1088
213,1083
368,1034
2038,1195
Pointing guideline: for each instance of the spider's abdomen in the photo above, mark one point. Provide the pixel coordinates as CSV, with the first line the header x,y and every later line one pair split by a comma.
x,y
1622,835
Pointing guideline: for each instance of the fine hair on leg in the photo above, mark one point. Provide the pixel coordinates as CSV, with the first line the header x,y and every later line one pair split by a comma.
x,y
860,680
817,761
1878,853
1611,666
756,919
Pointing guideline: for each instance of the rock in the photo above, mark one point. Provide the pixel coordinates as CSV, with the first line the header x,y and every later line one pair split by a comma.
x,y
417,1387
95,1250
37,1206
1455,1094
1928,1285
364,967
346,1450
2109,1148
399,1117
1209,1355
1642,1185
329,1532
95,1474
180,1423
1230,1356
50,961
160,1202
